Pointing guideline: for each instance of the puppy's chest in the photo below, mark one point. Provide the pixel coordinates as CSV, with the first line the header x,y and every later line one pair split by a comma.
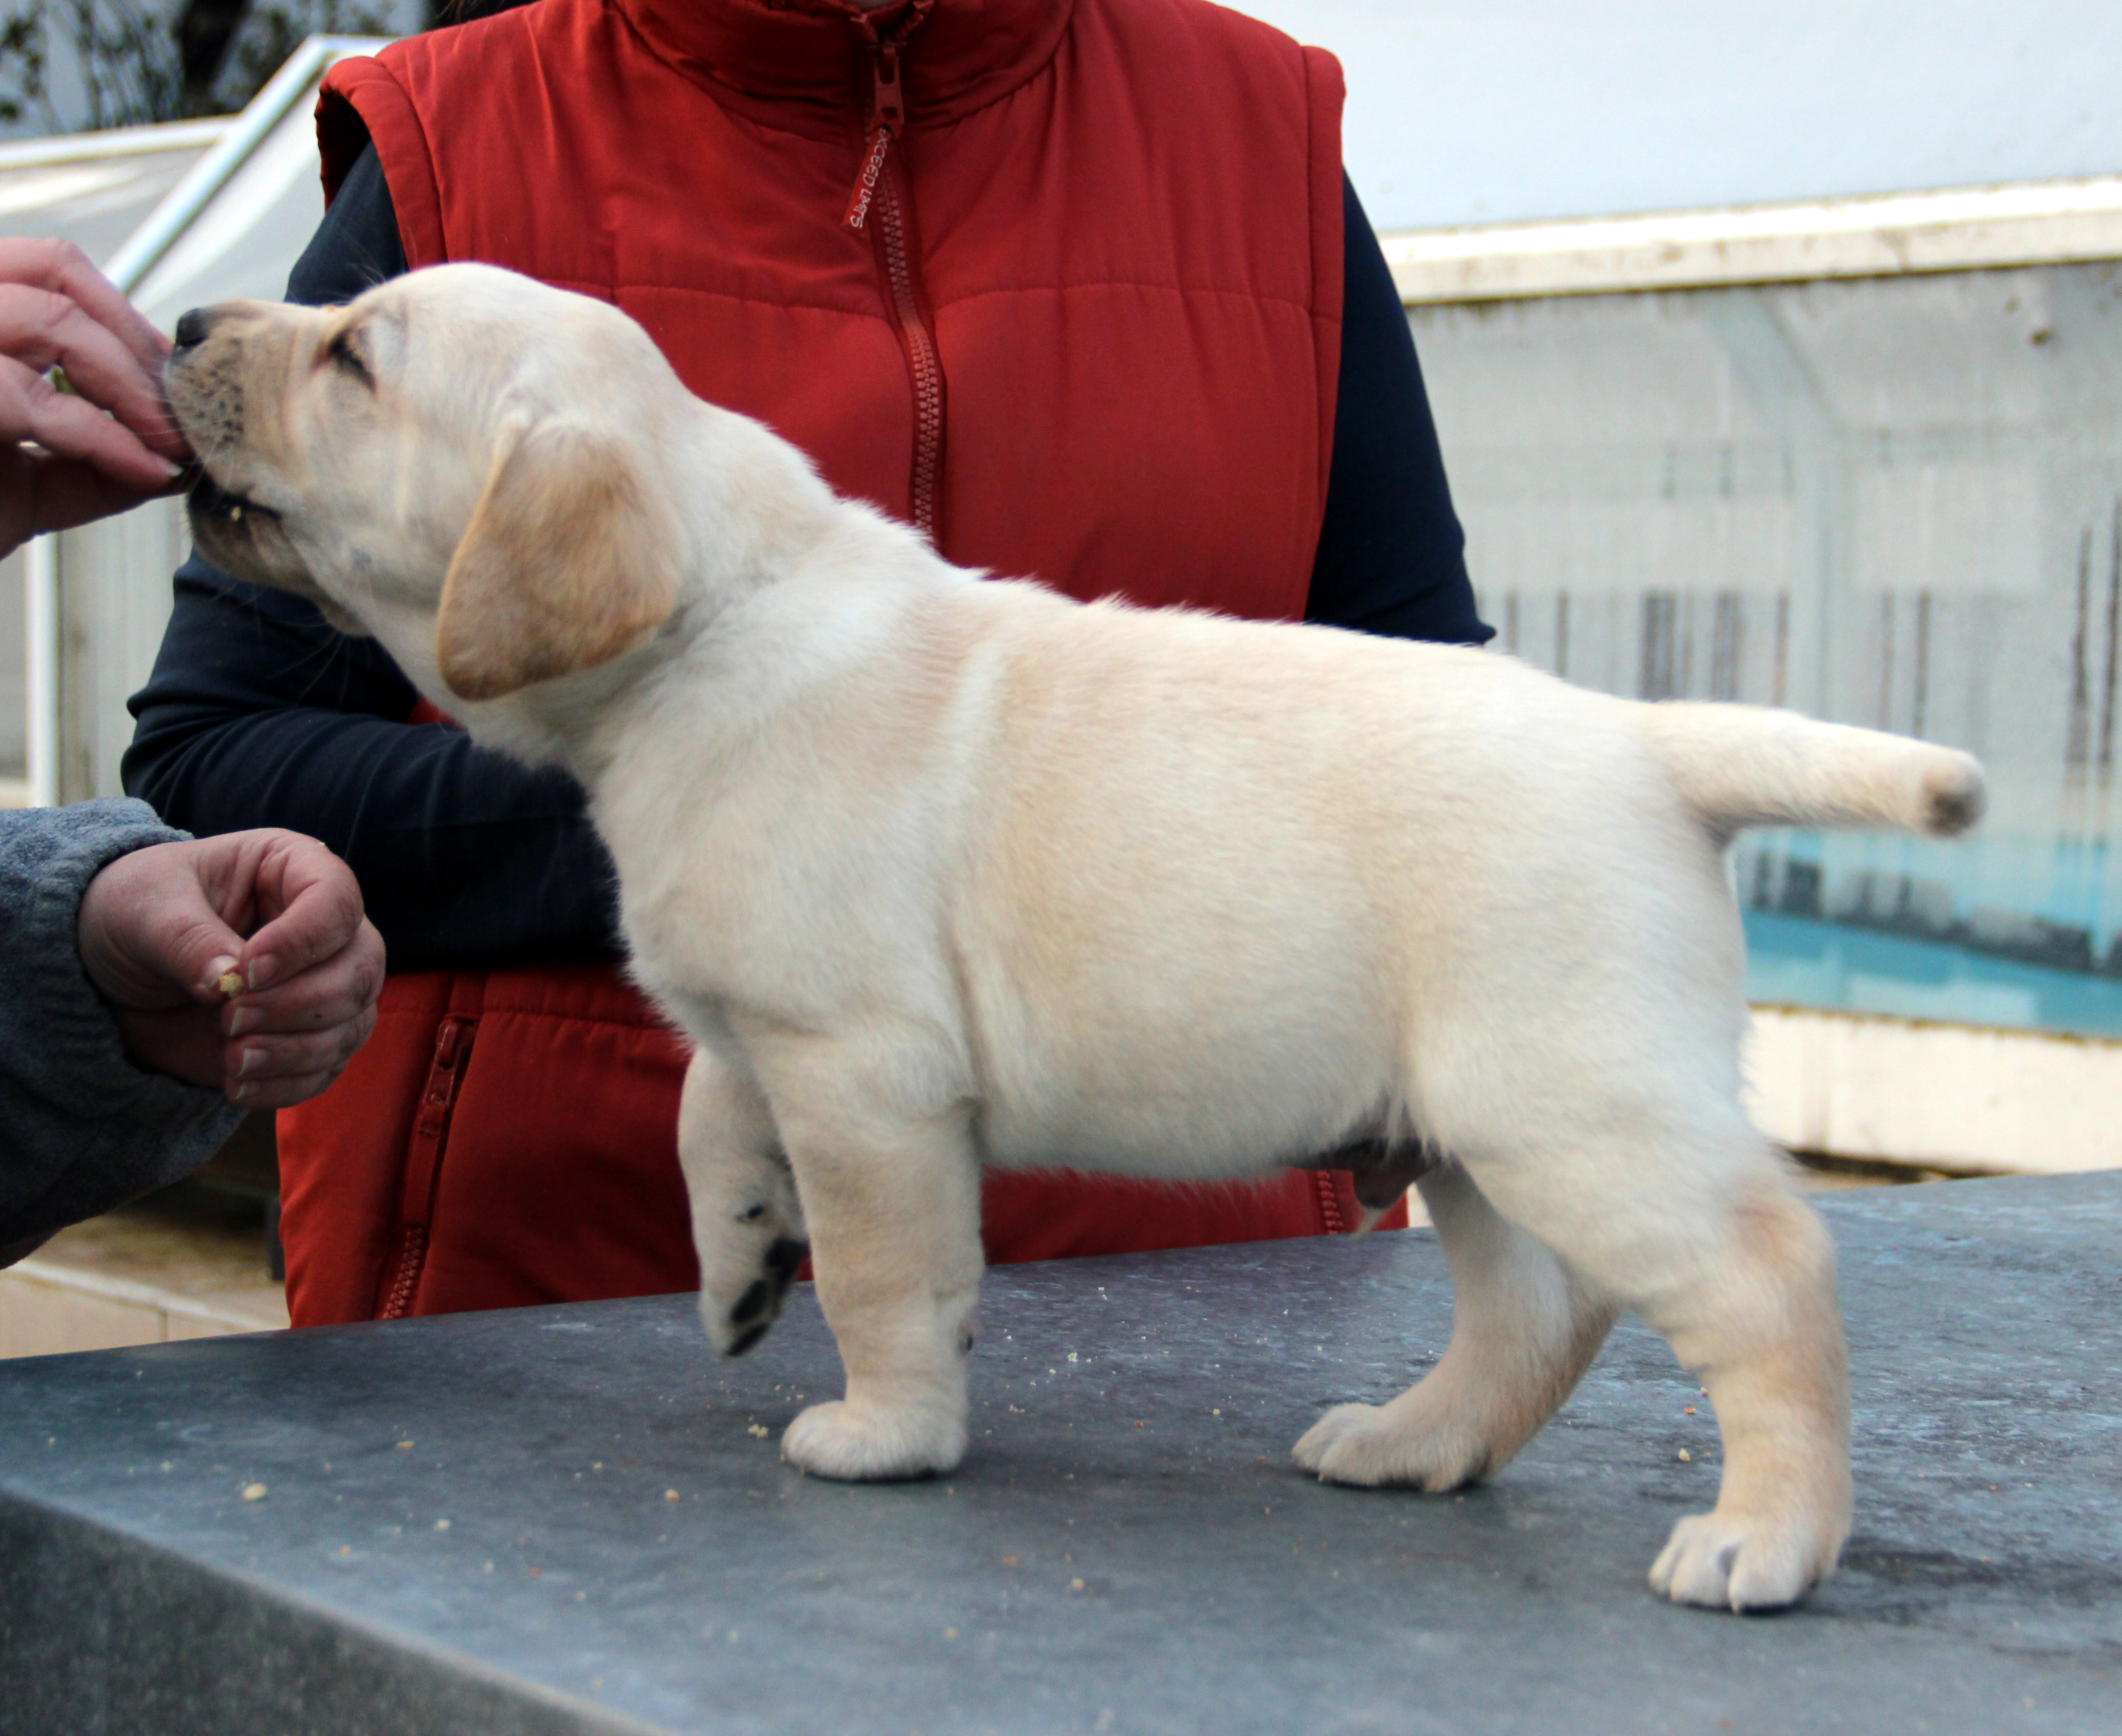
x,y
772,859
717,939
795,940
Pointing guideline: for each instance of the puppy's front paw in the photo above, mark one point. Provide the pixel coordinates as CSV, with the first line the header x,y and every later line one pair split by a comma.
x,y
738,1305
1742,1562
1377,1446
859,1443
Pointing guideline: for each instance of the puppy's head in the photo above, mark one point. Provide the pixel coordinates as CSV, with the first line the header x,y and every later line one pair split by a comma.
x,y
469,465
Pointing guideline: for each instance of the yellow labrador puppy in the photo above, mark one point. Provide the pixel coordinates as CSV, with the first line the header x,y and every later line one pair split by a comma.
x,y
939,872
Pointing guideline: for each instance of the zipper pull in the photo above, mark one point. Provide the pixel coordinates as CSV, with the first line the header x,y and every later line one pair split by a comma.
x,y
887,114
887,106
450,1043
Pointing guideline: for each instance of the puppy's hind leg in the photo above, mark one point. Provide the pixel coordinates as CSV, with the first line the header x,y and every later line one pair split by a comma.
x,y
1702,1234
747,1222
1524,1329
1764,1336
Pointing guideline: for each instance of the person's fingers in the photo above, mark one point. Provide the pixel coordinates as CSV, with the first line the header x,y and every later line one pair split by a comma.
x,y
44,327
258,1072
64,269
299,904
255,1065
73,428
327,994
313,904
38,493
41,330
282,1093
160,934
149,934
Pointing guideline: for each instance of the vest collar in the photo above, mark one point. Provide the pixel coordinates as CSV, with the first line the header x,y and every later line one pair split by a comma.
x,y
803,66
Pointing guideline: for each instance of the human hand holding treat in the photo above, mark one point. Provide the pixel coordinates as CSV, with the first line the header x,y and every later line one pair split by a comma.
x,y
63,459
242,962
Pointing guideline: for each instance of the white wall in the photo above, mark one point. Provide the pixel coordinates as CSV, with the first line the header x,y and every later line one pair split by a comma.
x,y
1515,109
1962,1102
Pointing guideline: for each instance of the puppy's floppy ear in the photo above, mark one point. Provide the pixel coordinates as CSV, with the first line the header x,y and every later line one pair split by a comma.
x,y
565,564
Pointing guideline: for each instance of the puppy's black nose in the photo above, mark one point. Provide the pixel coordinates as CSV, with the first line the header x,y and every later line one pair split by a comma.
x,y
193,328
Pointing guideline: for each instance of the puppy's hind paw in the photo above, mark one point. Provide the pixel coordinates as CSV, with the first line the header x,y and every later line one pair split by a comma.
x,y
859,1443
1377,1446
1744,1563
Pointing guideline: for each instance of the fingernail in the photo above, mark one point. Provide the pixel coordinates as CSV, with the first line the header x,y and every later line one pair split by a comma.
x,y
241,1092
263,970
217,974
242,1019
251,1060
176,470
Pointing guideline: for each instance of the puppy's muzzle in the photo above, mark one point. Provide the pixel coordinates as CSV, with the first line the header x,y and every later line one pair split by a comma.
x,y
212,504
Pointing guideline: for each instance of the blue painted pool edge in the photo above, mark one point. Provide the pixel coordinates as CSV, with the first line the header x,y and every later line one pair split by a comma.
x,y
1804,962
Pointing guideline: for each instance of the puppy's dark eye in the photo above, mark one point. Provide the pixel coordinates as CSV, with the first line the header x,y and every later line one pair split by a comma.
x,y
344,355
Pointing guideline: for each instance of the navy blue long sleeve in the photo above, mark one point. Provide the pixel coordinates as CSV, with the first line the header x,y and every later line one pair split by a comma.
x,y
259,712
1391,557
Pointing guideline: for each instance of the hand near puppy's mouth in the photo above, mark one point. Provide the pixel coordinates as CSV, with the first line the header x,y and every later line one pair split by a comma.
x,y
84,429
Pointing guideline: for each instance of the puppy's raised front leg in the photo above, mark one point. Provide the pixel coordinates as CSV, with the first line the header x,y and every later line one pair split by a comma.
x,y
894,1210
747,1223
1524,1329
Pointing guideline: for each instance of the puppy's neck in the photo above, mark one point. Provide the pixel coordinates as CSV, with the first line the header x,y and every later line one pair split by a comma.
x,y
786,594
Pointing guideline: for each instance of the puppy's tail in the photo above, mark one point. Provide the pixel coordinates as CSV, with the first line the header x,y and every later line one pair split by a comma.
x,y
1743,765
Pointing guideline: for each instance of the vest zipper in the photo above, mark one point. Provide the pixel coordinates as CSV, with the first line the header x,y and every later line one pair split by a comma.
x,y
887,116
423,1164
1329,1202
880,193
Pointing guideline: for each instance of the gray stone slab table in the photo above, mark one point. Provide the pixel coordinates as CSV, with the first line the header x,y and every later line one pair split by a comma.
x,y
573,1519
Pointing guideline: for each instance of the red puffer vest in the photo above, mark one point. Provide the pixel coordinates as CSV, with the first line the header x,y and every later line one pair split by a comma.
x,y
1058,280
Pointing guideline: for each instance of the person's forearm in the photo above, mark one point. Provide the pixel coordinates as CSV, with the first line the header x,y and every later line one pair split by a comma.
x,y
462,858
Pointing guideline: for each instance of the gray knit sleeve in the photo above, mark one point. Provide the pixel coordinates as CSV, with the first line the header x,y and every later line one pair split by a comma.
x,y
81,1128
